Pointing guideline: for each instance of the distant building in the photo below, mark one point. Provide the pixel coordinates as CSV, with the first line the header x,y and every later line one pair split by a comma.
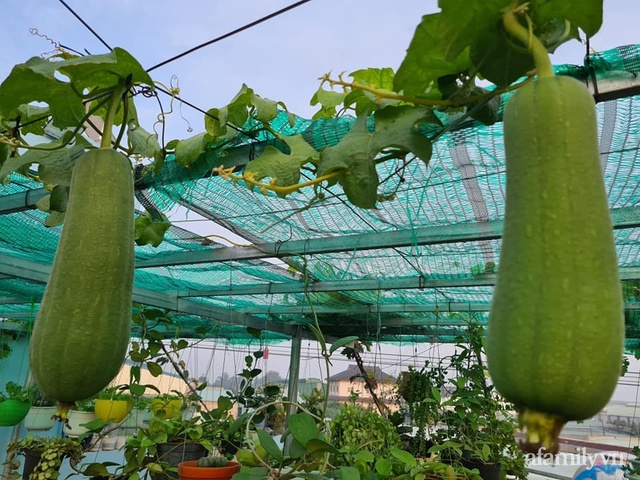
x,y
344,384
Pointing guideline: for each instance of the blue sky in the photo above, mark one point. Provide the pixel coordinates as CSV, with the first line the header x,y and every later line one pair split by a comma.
x,y
280,59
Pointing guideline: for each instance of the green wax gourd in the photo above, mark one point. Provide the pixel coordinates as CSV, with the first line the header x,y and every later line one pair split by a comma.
x,y
82,328
556,327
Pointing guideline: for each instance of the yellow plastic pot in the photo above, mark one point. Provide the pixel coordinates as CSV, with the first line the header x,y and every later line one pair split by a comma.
x,y
166,408
111,410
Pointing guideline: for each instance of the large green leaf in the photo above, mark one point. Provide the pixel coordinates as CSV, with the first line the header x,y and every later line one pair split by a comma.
x,y
104,71
426,60
142,142
35,81
396,128
303,427
584,14
465,23
149,231
328,101
188,150
352,158
246,104
477,27
56,166
283,168
269,444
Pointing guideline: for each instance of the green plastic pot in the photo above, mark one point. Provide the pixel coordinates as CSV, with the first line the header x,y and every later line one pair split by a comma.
x,y
12,412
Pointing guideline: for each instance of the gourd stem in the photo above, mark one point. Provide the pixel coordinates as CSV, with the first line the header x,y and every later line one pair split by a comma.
x,y
114,102
541,59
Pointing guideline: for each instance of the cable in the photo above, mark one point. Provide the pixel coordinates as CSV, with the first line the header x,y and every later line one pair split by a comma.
x,y
85,24
231,33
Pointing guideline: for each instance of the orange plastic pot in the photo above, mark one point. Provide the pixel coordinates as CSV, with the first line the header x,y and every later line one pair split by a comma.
x,y
190,470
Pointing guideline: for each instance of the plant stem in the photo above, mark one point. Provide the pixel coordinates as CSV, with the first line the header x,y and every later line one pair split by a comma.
x,y
109,119
541,58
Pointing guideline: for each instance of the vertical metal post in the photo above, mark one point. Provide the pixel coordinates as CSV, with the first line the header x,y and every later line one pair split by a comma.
x,y
294,369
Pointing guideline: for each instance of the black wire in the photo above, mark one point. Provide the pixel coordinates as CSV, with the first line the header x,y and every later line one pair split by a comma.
x,y
204,112
85,24
229,34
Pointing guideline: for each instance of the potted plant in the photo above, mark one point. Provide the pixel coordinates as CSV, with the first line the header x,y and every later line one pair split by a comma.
x,y
209,467
167,405
82,413
112,404
41,415
421,393
43,456
166,442
15,403
479,426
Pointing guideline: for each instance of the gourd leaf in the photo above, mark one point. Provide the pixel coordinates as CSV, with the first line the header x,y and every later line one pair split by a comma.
x,y
353,160
283,168
328,101
303,427
56,166
144,143
380,78
188,150
34,81
476,29
149,231
396,128
265,109
104,70
584,14
365,102
426,60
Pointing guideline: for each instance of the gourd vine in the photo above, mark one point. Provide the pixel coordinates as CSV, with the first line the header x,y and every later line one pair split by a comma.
x,y
540,55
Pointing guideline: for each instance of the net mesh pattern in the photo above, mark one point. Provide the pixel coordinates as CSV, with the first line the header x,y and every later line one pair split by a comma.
x,y
422,289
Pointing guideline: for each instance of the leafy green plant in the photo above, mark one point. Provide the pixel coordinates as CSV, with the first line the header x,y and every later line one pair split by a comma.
x,y
117,392
356,428
52,450
479,426
86,405
15,391
421,390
